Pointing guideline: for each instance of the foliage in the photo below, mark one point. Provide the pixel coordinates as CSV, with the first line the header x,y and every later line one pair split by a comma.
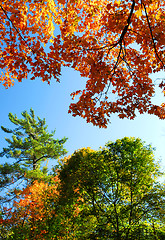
x,y
116,45
37,214
30,217
29,146
118,187
35,210
112,193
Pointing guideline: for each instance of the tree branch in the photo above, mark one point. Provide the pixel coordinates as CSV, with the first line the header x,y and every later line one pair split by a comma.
x,y
153,40
128,23
16,29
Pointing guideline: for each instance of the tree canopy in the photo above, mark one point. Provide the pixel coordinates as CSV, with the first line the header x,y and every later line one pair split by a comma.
x,y
116,191
111,193
115,44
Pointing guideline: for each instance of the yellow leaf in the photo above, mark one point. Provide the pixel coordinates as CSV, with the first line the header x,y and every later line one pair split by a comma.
x,y
138,13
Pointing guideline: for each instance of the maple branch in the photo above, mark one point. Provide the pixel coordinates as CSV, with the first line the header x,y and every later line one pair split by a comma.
x,y
16,29
122,38
128,23
122,34
117,61
153,40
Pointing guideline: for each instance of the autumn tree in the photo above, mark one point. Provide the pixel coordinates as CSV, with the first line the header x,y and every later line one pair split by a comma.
x,y
32,212
116,45
29,147
116,190
37,213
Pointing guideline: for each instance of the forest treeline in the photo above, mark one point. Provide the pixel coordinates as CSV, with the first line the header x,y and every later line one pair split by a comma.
x,y
112,193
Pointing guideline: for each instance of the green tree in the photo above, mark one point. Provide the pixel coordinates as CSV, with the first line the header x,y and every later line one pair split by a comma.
x,y
30,146
118,191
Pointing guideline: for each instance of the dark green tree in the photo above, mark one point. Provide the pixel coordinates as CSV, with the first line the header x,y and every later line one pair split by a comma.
x,y
118,191
29,147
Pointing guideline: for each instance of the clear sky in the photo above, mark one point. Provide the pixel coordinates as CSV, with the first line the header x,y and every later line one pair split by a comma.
x,y
52,102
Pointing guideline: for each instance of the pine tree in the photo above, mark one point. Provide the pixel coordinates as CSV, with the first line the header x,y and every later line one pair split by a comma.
x,y
29,146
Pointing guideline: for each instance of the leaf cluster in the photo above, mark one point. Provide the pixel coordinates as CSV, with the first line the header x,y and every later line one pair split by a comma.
x,y
115,45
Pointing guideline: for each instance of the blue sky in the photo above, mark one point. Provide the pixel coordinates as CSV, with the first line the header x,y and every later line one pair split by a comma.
x,y
52,102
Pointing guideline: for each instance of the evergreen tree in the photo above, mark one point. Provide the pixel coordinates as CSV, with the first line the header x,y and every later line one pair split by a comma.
x,y
29,146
